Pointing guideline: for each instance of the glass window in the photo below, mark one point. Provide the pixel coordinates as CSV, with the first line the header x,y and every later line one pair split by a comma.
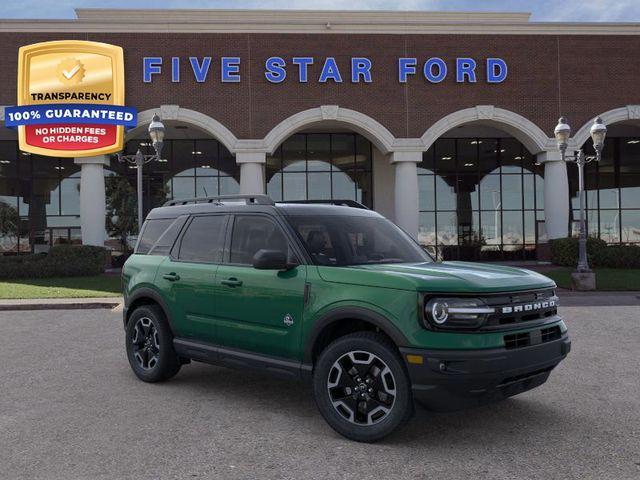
x,y
319,152
336,240
321,166
512,192
151,231
630,190
252,233
426,189
163,245
630,222
203,241
294,153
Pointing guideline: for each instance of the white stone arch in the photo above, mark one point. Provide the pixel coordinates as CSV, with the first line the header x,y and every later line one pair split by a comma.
x,y
374,131
192,117
527,132
622,114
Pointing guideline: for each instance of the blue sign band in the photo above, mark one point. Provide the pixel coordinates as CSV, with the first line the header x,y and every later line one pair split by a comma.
x,y
70,113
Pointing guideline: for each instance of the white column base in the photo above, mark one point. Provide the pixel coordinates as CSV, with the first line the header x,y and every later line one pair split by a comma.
x,y
556,195
406,190
93,209
251,172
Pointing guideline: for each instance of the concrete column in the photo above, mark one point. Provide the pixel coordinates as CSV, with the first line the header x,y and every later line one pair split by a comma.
x,y
251,171
406,190
93,209
556,194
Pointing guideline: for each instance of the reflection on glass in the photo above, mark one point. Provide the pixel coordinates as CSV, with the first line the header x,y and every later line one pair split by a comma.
x,y
445,195
206,186
426,192
294,186
490,192
320,186
630,223
447,228
343,186
427,228
491,224
512,228
610,226
229,186
512,192
322,166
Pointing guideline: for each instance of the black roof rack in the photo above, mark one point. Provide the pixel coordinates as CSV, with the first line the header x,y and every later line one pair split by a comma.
x,y
220,199
343,203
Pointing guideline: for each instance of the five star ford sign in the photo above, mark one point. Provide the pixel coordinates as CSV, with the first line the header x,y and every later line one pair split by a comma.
x,y
71,99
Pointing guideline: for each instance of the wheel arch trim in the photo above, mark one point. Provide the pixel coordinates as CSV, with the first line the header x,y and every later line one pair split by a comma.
x,y
146,292
351,313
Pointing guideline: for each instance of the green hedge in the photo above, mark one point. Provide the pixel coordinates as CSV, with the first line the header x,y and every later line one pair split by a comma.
x,y
61,261
565,252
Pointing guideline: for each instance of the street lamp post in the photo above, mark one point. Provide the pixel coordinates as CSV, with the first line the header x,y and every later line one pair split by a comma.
x,y
156,133
562,133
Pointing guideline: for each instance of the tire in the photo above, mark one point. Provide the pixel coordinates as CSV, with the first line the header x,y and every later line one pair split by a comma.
x,y
370,402
149,344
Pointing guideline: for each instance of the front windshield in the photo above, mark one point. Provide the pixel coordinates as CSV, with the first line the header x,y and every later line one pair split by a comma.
x,y
341,240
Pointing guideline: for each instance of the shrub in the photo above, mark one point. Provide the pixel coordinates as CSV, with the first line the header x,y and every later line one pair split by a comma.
x,y
564,252
61,261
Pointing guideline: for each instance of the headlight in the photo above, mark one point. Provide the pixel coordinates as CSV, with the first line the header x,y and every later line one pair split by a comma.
x,y
456,312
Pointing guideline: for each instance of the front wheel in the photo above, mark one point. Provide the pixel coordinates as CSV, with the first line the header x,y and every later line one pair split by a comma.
x,y
149,345
362,388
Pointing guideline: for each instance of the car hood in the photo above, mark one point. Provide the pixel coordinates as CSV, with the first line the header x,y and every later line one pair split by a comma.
x,y
453,277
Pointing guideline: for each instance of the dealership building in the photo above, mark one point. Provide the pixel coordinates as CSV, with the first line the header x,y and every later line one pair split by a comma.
x,y
443,122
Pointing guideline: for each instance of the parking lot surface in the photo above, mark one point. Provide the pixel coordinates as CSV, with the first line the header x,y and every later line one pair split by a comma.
x,y
70,408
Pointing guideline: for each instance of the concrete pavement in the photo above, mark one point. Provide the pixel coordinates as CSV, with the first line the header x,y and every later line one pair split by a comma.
x,y
70,408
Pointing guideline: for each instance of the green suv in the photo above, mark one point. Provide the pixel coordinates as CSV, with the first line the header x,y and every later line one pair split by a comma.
x,y
337,295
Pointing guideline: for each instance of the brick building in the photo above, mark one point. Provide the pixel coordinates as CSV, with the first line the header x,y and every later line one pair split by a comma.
x,y
441,121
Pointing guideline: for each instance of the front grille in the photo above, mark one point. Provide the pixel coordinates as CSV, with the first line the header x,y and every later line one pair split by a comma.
x,y
517,340
520,307
525,339
524,376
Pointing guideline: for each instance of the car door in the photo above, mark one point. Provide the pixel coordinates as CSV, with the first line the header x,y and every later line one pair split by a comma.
x,y
259,310
188,276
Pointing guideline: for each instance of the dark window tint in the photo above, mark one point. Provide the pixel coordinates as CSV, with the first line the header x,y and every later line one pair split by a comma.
x,y
253,233
167,239
204,239
151,232
339,241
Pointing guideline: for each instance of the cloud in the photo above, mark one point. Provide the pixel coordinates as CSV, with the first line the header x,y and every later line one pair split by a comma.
x,y
543,10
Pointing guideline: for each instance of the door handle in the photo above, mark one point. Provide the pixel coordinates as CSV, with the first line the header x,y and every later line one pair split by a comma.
x,y
172,277
232,282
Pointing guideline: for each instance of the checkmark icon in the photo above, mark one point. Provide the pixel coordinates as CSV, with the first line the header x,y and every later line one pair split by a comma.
x,y
71,73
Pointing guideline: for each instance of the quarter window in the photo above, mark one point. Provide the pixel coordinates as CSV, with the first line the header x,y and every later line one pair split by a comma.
x,y
151,233
204,239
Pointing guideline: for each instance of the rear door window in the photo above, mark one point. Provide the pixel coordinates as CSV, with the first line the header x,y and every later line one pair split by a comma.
x,y
203,241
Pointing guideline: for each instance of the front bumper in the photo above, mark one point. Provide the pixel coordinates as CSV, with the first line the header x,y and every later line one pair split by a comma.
x,y
455,379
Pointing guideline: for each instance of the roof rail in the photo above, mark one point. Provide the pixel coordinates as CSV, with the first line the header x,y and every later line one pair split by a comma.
x,y
220,199
339,202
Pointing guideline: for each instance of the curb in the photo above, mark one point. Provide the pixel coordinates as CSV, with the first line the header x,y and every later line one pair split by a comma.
x,y
73,305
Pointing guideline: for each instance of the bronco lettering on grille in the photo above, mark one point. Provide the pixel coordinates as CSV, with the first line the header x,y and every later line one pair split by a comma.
x,y
529,307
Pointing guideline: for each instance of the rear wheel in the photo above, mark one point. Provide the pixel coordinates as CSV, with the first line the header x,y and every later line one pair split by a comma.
x,y
149,345
362,388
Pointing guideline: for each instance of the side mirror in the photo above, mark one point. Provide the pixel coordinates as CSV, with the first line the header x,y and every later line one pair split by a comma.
x,y
271,260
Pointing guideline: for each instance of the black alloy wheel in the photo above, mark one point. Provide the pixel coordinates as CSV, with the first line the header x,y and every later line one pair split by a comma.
x,y
361,386
149,344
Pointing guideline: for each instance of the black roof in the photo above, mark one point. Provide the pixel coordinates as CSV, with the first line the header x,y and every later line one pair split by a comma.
x,y
258,204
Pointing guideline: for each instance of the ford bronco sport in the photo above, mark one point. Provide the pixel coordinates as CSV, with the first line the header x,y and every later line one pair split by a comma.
x,y
339,296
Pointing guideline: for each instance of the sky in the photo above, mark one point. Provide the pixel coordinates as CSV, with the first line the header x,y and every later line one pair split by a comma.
x,y
542,10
